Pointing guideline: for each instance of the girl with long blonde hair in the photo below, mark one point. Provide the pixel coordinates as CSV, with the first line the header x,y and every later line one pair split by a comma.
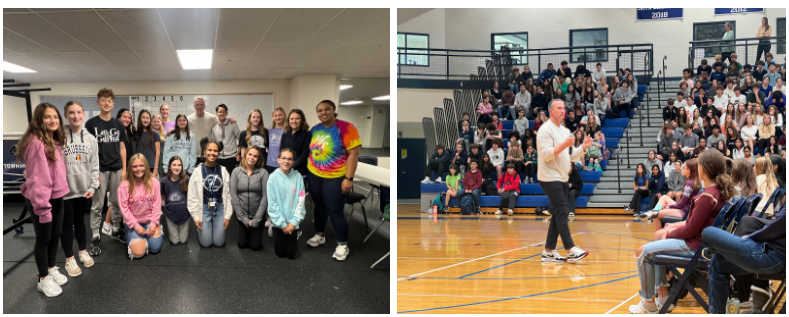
x,y
255,134
140,201
766,182
275,138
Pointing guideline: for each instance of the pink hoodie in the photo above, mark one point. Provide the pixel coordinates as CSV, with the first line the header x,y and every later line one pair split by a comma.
x,y
143,207
45,179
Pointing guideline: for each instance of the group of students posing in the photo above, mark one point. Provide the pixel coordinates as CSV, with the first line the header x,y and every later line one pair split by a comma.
x,y
70,170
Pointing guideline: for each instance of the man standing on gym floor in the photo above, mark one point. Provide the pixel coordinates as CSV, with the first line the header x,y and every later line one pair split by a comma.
x,y
553,168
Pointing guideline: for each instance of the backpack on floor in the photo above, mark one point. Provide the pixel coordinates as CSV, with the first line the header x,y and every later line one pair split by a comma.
x,y
438,201
467,205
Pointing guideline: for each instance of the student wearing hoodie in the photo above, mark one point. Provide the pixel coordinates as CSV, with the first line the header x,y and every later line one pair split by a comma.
x,y
472,183
40,148
174,187
676,181
208,198
657,186
509,187
438,162
285,194
496,156
181,143
227,133
522,123
522,101
296,137
140,199
248,196
81,154
460,158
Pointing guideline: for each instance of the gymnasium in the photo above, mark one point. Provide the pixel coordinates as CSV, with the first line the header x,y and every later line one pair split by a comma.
x,y
647,213
272,75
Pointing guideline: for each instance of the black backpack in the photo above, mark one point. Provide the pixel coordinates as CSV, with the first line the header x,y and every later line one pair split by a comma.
x,y
467,205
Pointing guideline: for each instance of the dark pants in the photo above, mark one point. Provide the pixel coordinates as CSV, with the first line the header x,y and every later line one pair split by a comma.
x,y
47,236
74,215
489,187
438,167
271,169
228,163
531,170
725,56
474,194
763,143
571,195
284,244
508,199
249,237
653,200
763,47
485,118
329,203
743,283
618,108
557,196
635,203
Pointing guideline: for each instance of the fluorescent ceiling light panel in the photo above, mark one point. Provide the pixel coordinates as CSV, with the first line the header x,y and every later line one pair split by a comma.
x,y
344,87
382,98
14,68
195,59
348,103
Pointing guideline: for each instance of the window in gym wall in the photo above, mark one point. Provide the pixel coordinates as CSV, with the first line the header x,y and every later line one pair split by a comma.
x,y
589,37
781,33
708,31
513,41
406,42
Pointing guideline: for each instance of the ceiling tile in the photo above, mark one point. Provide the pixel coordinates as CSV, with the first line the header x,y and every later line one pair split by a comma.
x,y
91,61
141,28
294,26
125,60
171,74
141,75
8,10
224,74
243,28
40,31
61,9
377,35
197,74
286,57
56,62
89,76
251,73
231,58
281,72
161,59
316,70
117,75
89,28
20,44
191,29
345,27
25,61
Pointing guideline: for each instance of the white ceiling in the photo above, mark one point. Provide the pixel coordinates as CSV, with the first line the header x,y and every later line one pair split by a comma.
x,y
365,89
79,45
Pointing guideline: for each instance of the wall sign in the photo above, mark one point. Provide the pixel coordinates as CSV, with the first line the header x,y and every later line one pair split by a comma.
x,y
662,13
736,10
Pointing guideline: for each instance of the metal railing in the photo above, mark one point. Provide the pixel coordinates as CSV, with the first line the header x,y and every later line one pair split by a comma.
x,y
746,49
458,64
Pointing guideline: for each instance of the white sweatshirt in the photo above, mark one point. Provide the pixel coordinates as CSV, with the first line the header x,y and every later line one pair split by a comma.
x,y
194,197
550,167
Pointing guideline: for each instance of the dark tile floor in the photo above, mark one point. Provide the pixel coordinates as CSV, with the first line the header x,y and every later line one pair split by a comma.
x,y
191,279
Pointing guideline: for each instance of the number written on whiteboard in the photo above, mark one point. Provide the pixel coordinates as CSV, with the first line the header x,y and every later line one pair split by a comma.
x,y
164,98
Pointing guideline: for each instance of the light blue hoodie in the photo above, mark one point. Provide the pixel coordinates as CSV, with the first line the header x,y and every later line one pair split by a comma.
x,y
186,150
285,198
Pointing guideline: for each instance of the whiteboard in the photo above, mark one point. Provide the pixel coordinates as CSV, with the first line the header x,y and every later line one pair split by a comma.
x,y
239,106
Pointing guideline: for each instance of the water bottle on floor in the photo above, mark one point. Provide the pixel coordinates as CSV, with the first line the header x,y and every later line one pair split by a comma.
x,y
733,306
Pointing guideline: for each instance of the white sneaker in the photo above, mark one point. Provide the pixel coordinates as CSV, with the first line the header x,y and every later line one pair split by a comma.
x,y
86,260
49,287
546,212
341,252
553,257
72,268
427,180
509,212
316,240
498,212
639,309
438,180
59,278
576,254
106,228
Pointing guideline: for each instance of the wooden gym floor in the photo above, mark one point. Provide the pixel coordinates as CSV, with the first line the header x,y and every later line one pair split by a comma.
x,y
456,264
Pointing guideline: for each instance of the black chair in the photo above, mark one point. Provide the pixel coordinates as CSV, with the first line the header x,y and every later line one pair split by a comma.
x,y
356,198
372,160
778,294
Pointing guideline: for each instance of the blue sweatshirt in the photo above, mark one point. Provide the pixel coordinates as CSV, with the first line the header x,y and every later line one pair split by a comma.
x,y
186,150
285,198
547,75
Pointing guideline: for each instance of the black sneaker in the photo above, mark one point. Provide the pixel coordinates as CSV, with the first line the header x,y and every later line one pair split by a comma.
x,y
122,236
95,246
116,234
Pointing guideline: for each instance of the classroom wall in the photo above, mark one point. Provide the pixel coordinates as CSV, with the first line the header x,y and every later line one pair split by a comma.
x,y
471,28
358,116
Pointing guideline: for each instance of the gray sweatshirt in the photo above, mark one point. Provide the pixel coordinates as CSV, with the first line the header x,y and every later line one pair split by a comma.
x,y
691,141
248,195
521,124
81,156
676,181
712,140
227,133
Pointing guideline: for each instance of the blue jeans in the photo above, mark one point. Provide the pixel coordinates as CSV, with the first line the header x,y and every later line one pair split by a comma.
x,y
650,274
736,256
474,194
213,232
503,114
329,203
154,243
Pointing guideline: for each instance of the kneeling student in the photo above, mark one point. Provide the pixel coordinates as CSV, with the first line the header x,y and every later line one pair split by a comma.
x,y
248,195
140,202
174,188
285,191
208,197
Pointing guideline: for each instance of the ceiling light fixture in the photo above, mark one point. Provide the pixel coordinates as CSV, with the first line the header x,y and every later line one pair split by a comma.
x,y
195,59
348,103
344,87
382,98
14,68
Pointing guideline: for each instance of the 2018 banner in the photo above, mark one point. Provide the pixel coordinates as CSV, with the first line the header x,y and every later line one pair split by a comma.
x,y
737,10
662,13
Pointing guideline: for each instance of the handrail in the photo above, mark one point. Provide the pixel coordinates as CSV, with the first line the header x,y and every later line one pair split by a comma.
x,y
527,49
740,39
627,138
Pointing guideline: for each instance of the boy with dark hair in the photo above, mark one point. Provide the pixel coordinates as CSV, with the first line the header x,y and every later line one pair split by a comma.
x,y
538,103
718,73
507,101
670,112
704,70
509,187
565,71
472,183
759,71
438,162
474,154
460,158
776,99
112,141
547,74
737,66
755,97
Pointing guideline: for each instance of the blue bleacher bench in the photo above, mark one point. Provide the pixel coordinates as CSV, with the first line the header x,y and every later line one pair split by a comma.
x,y
616,123
526,189
615,132
523,201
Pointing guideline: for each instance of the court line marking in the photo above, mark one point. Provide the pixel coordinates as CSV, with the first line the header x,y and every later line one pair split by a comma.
x,y
452,295
495,259
521,297
622,303
519,278
469,261
496,245
498,266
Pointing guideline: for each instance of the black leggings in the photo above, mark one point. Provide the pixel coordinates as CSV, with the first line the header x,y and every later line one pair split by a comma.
x,y
637,196
763,143
228,163
285,244
47,236
531,170
249,237
74,215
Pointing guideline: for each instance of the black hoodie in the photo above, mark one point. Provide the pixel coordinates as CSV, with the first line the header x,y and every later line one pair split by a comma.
x,y
299,142
443,158
575,180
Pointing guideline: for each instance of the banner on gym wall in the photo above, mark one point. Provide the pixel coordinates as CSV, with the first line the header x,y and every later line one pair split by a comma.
x,y
11,164
662,13
737,10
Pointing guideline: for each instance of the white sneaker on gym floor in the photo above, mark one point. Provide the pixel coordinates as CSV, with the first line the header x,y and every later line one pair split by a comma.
x,y
427,180
576,254
509,212
49,287
106,228
649,214
72,268
316,240
59,278
438,180
498,212
86,260
553,257
546,212
341,252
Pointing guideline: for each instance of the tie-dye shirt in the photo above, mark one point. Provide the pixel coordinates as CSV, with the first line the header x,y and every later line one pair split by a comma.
x,y
329,148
